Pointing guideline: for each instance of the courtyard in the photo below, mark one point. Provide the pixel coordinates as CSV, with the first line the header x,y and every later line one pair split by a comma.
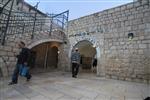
x,y
61,86
117,36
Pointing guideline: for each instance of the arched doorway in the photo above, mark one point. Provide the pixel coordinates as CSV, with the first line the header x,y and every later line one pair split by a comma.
x,y
52,59
46,57
88,53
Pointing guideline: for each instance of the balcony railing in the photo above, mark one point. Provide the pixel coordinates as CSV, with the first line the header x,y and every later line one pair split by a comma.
x,y
19,22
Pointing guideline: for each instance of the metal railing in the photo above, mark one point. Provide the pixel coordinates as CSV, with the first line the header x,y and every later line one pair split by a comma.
x,y
19,22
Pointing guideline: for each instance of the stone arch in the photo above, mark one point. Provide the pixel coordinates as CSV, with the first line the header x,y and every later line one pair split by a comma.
x,y
93,44
83,43
97,47
49,44
42,41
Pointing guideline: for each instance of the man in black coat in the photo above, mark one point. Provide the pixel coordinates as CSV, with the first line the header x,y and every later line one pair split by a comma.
x,y
23,58
75,60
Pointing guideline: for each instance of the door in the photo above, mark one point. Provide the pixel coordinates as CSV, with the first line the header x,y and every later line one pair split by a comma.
x,y
52,60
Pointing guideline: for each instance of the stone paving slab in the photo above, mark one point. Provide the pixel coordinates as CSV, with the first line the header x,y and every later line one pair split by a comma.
x,y
61,86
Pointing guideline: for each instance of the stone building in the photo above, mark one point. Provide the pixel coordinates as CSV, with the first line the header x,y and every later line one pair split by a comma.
x,y
21,5
42,35
119,38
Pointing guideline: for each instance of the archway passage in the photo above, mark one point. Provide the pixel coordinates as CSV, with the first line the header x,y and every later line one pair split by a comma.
x,y
88,52
52,59
45,56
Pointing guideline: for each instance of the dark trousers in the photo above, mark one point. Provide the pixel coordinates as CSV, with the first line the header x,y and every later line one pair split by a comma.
x,y
16,73
75,69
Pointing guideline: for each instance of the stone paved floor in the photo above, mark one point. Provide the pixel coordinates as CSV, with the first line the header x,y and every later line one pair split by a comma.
x,y
60,86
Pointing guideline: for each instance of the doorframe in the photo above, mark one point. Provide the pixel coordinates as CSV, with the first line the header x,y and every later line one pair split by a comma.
x,y
98,54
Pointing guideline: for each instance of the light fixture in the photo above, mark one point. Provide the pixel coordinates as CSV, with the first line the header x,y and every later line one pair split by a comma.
x,y
130,36
94,46
58,52
65,42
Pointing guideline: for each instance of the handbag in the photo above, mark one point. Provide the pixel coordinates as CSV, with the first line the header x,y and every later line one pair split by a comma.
x,y
23,70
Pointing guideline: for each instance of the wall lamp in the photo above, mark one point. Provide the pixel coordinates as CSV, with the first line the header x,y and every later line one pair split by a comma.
x,y
130,36
65,42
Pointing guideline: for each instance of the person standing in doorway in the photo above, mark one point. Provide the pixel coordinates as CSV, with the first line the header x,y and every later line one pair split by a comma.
x,y
75,60
22,60
94,65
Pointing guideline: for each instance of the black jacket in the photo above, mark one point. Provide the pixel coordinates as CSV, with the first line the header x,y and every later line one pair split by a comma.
x,y
23,56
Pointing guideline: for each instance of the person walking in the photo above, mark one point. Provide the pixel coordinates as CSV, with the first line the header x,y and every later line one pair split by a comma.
x,y
75,60
22,61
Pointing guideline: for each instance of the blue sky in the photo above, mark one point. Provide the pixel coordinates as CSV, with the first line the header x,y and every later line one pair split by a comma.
x,y
77,8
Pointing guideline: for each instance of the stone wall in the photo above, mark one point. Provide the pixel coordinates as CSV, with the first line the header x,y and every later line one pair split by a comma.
x,y
18,33
120,58
2,2
9,49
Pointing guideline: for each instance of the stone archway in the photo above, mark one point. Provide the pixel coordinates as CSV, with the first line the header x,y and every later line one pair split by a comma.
x,y
52,59
88,51
33,44
46,55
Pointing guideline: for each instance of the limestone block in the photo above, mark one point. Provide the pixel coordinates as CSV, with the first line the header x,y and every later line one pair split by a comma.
x,y
7,48
123,18
122,43
140,8
140,15
129,6
131,17
140,51
128,28
114,77
138,80
142,46
10,53
144,2
107,76
146,41
4,69
11,44
117,9
137,4
123,7
142,26
3,53
128,79
121,78
12,58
